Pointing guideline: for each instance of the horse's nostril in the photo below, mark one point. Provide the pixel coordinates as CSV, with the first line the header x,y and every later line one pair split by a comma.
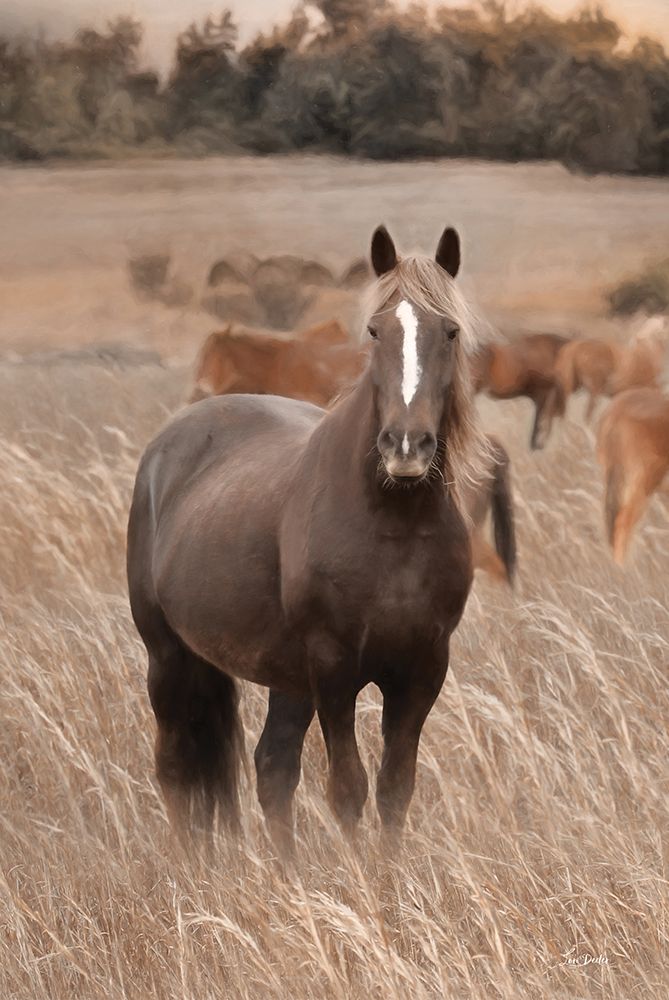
x,y
386,440
427,443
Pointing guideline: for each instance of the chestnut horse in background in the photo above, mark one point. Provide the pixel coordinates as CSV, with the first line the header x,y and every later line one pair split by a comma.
x,y
633,449
605,369
313,552
524,366
314,365
587,364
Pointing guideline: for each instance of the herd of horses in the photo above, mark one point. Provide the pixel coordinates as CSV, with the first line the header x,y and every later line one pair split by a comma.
x,y
311,524
633,434
318,363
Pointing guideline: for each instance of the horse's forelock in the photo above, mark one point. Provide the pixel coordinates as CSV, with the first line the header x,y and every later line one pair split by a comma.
x,y
423,282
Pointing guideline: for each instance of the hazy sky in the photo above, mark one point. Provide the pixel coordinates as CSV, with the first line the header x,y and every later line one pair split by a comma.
x,y
164,18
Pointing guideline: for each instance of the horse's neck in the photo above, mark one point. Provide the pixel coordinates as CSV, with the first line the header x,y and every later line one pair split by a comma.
x,y
350,430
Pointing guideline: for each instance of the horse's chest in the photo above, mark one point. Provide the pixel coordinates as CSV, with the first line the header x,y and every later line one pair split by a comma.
x,y
396,587
404,581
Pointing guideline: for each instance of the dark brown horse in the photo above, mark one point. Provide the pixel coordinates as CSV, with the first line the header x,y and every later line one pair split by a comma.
x,y
314,553
316,366
524,366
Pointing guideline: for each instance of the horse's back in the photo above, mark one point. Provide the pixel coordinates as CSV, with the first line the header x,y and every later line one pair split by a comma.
x,y
218,439
242,360
539,351
326,333
515,367
312,367
595,357
643,405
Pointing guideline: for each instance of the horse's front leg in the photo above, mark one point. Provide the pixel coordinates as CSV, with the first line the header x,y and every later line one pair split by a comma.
x,y
335,685
407,700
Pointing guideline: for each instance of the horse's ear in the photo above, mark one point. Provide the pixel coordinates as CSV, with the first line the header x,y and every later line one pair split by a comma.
x,y
384,255
448,252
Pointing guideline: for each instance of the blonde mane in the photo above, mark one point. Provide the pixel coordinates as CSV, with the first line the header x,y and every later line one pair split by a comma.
x,y
468,459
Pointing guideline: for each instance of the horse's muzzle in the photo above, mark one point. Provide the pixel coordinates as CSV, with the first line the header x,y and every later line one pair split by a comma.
x,y
406,456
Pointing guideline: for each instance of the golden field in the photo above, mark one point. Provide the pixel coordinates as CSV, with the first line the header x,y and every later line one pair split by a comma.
x,y
535,857
538,829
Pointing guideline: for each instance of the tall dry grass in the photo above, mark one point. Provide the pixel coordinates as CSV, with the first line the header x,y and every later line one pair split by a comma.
x,y
537,835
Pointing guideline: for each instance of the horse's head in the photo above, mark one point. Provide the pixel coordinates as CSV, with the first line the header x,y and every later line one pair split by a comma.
x,y
415,322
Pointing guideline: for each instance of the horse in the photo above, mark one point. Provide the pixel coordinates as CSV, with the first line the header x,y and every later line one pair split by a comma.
x,y
277,291
606,369
587,364
356,275
642,362
524,366
492,493
313,366
313,552
633,449
316,368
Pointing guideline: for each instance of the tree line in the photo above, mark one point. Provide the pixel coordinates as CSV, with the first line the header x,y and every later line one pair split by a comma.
x,y
352,77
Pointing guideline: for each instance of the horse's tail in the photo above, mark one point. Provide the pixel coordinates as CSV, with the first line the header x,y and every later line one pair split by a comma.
x,y
220,741
615,482
200,740
504,525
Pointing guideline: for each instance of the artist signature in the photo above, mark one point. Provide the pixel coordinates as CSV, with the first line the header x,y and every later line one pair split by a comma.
x,y
571,958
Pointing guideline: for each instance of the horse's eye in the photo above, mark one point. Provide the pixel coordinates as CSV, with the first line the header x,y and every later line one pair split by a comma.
x,y
372,332
452,334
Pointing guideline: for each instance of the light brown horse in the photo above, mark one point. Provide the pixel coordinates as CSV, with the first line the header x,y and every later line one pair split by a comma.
x,y
605,369
314,365
524,366
589,365
633,449
312,552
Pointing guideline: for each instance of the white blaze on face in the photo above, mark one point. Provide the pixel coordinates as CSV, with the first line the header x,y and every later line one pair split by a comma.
x,y
410,368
